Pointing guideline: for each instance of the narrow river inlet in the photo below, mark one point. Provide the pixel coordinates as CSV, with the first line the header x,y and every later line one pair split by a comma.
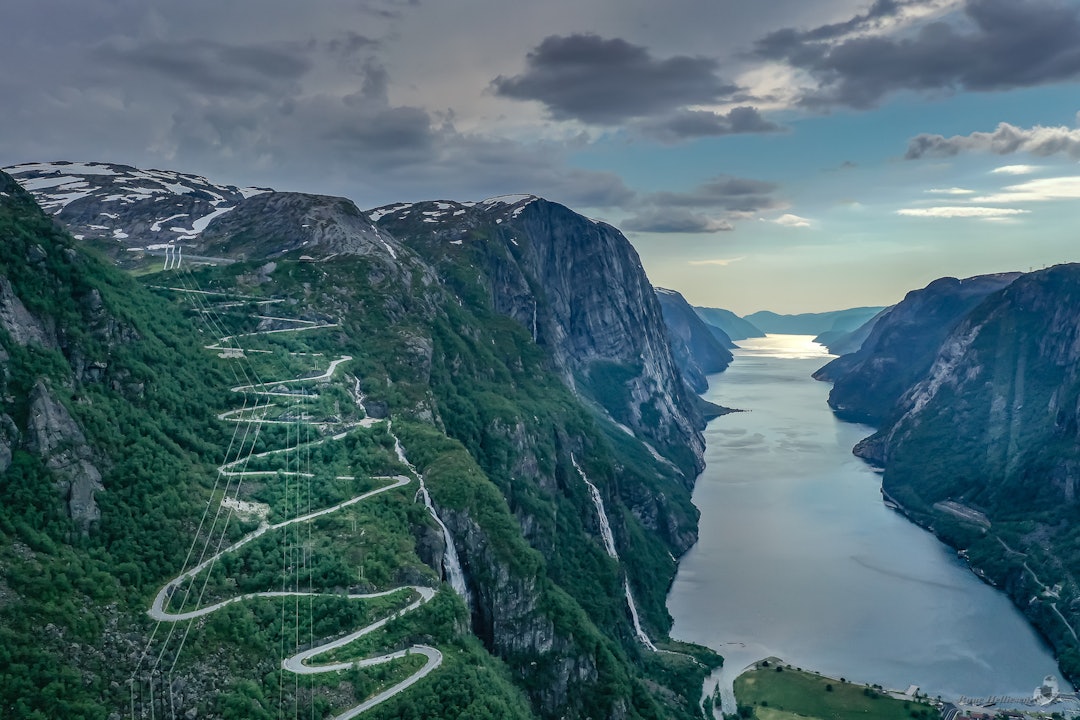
x,y
799,558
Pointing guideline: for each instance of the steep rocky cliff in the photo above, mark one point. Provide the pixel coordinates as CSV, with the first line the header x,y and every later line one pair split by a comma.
x,y
578,287
96,474
38,265
54,436
984,447
901,345
698,350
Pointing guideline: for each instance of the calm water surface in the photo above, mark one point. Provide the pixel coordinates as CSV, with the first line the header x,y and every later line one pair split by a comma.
x,y
798,558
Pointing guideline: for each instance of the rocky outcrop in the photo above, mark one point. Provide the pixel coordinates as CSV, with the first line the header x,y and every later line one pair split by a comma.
x,y
510,620
698,351
601,309
54,436
22,326
9,440
901,345
1011,364
270,225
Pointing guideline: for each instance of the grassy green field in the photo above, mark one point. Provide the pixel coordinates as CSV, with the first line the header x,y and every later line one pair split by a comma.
x,y
775,692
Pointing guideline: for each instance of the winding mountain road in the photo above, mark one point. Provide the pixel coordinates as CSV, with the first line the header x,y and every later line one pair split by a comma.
x,y
300,663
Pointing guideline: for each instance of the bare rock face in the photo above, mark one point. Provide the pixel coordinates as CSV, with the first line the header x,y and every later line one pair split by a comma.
x,y
511,620
21,325
601,307
54,436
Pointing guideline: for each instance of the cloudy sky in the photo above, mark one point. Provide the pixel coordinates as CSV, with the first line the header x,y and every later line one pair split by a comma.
x,y
793,155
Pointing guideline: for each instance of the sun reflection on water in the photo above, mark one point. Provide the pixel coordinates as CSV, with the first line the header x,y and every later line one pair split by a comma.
x,y
789,347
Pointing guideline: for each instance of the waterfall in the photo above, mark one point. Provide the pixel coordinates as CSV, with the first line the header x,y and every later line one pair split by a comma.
x,y
451,562
642,637
609,545
455,575
605,526
358,398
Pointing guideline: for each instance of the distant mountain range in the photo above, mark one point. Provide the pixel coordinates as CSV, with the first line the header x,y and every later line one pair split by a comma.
x,y
735,327
822,323
839,327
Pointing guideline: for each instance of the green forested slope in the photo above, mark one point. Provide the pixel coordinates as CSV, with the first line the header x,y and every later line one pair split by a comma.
x,y
478,410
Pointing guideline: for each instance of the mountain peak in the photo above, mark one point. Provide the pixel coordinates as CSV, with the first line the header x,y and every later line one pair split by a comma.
x,y
514,201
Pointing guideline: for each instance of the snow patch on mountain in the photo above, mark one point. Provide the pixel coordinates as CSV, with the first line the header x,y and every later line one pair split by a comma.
x,y
156,227
142,202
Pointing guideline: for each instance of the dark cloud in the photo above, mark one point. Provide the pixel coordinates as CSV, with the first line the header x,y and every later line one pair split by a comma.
x,y
210,67
687,124
1005,140
674,220
376,83
606,82
732,194
1001,44
377,154
290,97
591,188
395,133
709,208
784,44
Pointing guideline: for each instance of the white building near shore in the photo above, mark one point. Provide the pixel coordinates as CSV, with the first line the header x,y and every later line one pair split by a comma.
x,y
1047,692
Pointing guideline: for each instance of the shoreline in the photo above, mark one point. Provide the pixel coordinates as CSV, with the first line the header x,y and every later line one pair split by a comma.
x,y
896,667
961,553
